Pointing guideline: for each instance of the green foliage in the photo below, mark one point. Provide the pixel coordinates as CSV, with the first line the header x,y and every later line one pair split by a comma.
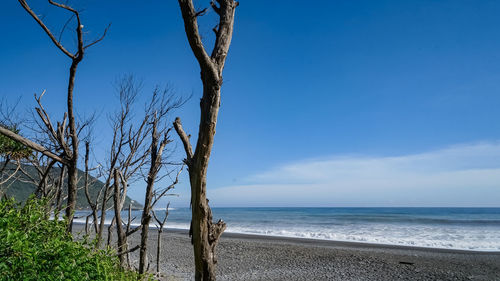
x,y
35,247
13,148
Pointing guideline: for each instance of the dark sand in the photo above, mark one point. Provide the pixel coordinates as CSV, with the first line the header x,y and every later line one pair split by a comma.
x,y
250,257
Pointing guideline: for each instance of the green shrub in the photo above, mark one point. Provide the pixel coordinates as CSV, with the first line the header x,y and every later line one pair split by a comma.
x,y
34,247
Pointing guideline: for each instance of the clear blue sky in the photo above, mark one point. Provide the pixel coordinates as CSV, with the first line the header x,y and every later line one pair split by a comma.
x,y
310,89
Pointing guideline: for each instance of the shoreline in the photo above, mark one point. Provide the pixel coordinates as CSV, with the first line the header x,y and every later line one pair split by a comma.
x,y
327,242
247,257
336,243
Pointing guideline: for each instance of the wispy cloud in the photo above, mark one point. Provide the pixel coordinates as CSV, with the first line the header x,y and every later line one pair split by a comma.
x,y
460,175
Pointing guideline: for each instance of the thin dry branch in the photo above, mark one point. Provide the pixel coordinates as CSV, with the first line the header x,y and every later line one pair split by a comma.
x,y
45,28
168,188
9,177
98,39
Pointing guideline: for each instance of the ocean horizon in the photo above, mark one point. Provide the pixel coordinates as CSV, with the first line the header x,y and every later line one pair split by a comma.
x,y
464,228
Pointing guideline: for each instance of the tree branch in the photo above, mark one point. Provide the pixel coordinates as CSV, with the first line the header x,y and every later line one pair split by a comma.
x,y
214,7
201,13
130,251
224,32
100,39
191,26
13,136
45,28
184,139
2,182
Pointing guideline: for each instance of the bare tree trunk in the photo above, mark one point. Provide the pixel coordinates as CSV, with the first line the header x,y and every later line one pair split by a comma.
x,y
157,148
59,194
146,218
205,234
103,213
122,237
70,155
129,222
94,219
158,249
146,213
73,161
110,231
86,225
72,189
92,206
160,224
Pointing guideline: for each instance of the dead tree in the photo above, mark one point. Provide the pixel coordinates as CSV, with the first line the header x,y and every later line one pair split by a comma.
x,y
158,144
11,152
58,133
127,152
32,167
59,192
159,224
130,152
129,147
122,238
160,138
87,181
205,233
129,231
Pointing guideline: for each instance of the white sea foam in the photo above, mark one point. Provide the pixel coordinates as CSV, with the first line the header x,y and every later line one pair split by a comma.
x,y
470,229
432,237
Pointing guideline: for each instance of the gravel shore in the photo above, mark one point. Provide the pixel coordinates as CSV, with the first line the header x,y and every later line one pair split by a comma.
x,y
251,257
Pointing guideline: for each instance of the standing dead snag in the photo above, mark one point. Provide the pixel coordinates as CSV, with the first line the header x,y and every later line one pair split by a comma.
x,y
129,149
156,151
118,204
93,206
60,134
161,104
205,234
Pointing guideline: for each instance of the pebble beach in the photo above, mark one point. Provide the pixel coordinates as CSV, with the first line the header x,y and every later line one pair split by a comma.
x,y
255,257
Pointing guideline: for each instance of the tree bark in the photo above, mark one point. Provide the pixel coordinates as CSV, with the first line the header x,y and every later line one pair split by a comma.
x,y
70,156
204,246
157,148
59,194
160,225
86,187
122,238
205,233
100,229
158,249
145,220
73,159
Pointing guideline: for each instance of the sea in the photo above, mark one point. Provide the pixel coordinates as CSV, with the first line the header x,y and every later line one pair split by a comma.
x,y
475,229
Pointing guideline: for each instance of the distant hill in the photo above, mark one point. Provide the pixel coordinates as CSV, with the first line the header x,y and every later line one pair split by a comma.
x,y
21,190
